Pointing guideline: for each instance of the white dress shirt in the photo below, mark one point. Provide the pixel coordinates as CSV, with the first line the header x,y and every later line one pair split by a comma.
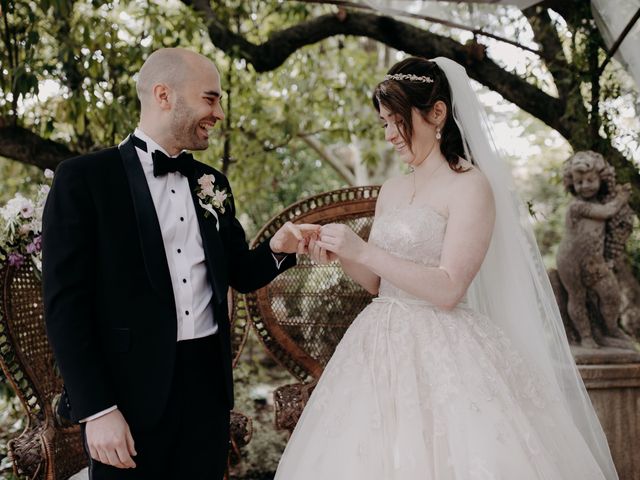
x,y
182,244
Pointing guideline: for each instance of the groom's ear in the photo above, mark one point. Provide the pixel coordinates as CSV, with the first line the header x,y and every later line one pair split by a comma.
x,y
162,95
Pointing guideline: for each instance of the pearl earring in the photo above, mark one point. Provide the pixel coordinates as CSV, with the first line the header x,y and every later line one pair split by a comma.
x,y
438,134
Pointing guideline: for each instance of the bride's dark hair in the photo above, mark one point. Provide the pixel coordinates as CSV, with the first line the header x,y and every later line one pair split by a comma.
x,y
400,96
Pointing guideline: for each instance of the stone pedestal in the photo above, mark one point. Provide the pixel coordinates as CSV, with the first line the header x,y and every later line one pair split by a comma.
x,y
612,378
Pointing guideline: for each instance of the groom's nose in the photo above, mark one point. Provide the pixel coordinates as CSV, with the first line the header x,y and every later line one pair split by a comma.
x,y
217,111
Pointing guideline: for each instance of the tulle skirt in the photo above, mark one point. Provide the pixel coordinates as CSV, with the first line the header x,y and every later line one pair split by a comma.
x,y
416,392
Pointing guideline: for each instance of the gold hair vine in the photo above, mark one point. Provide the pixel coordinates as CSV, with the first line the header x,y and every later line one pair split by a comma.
x,y
409,76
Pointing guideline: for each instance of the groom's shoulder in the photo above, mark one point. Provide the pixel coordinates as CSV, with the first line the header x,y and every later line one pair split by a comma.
x,y
90,162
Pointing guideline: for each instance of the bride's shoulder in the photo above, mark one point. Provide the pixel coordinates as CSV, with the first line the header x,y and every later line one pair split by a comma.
x,y
388,190
391,185
394,181
470,184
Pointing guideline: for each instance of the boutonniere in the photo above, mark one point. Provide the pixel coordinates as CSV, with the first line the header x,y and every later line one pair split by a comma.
x,y
211,197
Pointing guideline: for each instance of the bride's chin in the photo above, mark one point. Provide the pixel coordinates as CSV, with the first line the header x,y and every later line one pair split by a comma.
x,y
411,161
407,158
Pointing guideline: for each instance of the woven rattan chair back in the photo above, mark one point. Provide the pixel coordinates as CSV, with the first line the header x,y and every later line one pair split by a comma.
x,y
301,316
46,449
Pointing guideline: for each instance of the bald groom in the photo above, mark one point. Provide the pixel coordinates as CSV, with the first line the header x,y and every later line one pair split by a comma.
x,y
136,268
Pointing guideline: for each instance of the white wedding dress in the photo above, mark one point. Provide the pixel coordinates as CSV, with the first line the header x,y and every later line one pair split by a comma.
x,y
416,392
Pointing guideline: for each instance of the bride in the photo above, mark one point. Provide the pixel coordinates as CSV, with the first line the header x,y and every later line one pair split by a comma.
x,y
459,368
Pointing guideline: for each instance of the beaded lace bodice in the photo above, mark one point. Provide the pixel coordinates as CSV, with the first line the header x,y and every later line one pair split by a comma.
x,y
411,232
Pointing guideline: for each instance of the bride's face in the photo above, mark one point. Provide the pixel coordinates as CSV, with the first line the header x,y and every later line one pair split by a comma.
x,y
422,138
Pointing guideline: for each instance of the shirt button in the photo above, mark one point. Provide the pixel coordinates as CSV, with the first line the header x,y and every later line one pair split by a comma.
x,y
184,280
186,312
179,250
182,219
173,191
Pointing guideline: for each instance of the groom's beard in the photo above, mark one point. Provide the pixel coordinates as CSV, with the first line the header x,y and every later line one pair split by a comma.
x,y
184,128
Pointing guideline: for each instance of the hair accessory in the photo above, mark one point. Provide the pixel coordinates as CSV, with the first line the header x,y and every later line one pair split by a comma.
x,y
409,76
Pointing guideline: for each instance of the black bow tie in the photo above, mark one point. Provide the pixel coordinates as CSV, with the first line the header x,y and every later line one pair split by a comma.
x,y
162,164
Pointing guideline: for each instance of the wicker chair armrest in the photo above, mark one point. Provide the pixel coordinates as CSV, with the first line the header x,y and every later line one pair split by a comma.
x,y
241,429
27,453
46,451
289,401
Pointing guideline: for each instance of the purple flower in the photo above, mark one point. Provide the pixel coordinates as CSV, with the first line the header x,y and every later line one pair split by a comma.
x,y
35,246
16,259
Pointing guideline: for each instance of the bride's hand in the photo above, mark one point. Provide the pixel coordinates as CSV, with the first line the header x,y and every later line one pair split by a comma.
x,y
318,254
342,241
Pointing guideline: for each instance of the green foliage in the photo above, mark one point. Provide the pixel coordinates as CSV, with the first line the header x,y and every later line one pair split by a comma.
x,y
89,52
87,56
18,177
311,94
617,94
633,249
11,424
20,60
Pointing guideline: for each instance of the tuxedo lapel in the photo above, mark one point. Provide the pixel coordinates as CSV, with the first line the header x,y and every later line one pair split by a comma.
x,y
211,242
155,258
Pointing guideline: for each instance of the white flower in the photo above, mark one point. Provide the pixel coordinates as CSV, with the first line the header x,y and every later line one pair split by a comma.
x,y
48,173
37,217
27,210
206,181
5,213
219,196
15,206
36,223
206,185
207,191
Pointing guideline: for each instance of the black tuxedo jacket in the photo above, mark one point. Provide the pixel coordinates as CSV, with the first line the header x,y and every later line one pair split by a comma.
x,y
108,299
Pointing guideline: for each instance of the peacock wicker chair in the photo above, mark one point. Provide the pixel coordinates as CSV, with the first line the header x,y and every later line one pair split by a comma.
x,y
50,448
301,316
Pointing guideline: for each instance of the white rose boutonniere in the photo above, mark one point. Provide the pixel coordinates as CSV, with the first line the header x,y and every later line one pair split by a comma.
x,y
210,197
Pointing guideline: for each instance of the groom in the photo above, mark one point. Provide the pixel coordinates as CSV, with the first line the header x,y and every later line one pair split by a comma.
x,y
139,249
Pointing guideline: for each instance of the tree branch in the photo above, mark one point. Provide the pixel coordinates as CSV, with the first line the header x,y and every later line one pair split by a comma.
x,y
20,144
334,162
546,35
403,13
399,35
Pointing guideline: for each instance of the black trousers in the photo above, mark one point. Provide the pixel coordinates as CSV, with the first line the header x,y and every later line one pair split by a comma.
x,y
192,439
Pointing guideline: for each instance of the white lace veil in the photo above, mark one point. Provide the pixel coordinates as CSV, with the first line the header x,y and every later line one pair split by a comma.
x,y
512,287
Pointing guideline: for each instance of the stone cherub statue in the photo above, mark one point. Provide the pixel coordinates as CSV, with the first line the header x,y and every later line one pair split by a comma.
x,y
598,222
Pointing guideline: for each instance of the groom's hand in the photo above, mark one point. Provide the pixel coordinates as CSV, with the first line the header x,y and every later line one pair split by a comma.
x,y
292,238
109,440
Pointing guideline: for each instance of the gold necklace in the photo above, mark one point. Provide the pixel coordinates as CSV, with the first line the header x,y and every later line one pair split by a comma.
x,y
413,172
